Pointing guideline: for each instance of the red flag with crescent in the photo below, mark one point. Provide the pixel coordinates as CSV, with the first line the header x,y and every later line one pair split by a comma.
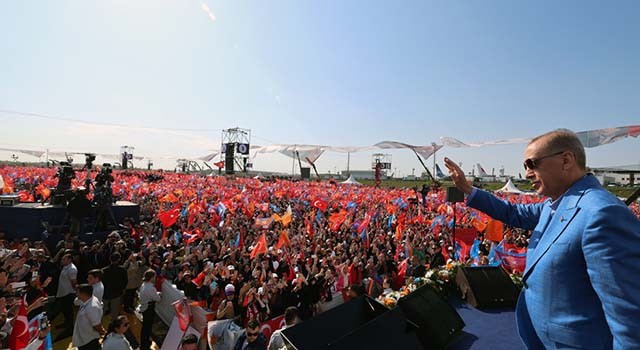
x,y
19,338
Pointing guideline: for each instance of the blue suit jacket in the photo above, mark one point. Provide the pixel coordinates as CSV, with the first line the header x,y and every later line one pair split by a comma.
x,y
582,277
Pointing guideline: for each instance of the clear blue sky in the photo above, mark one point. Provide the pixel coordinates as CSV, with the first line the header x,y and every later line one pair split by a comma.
x,y
343,73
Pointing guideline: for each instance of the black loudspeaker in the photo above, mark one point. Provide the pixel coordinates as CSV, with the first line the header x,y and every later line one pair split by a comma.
x,y
437,323
487,287
454,195
9,200
389,331
328,328
229,159
305,173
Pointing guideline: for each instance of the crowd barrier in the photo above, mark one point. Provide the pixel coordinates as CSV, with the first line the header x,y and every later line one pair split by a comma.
x,y
171,294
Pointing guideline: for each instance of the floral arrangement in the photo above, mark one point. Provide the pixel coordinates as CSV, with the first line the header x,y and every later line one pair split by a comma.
x,y
516,277
442,279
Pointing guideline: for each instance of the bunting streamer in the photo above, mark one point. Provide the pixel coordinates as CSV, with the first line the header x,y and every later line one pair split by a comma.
x,y
589,138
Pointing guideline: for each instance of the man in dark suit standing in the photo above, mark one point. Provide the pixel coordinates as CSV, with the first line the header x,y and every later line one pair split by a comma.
x,y
114,278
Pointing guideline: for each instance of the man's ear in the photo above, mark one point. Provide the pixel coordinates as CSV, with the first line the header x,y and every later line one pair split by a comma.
x,y
568,160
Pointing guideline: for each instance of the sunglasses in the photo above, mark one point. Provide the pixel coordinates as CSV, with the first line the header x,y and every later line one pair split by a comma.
x,y
249,334
533,163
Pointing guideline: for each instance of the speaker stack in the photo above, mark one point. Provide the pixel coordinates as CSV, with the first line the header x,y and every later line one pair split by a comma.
x,y
229,158
422,320
486,287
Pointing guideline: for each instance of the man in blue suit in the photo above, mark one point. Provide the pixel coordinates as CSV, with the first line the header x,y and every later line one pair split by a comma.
x,y
582,277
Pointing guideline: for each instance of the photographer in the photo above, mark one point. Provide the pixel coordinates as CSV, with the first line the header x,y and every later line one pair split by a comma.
x,y
65,175
135,269
103,196
79,207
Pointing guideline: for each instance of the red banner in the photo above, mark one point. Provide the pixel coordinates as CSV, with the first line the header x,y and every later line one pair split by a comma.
x,y
272,325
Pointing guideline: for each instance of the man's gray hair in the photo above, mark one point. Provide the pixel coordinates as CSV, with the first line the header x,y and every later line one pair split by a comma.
x,y
563,140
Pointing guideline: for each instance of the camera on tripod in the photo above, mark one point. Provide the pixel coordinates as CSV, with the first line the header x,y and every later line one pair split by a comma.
x,y
104,177
103,195
63,191
65,174
88,160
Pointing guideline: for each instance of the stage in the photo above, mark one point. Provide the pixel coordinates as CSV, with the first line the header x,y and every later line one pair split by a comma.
x,y
491,329
26,219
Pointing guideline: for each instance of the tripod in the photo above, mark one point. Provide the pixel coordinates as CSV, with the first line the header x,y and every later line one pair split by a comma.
x,y
103,199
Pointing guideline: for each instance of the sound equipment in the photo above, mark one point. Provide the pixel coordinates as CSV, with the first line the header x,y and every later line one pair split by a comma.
x,y
454,195
9,200
388,331
486,287
305,173
437,323
327,328
421,320
125,160
229,159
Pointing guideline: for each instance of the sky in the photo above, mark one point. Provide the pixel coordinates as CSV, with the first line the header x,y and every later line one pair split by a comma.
x,y
166,76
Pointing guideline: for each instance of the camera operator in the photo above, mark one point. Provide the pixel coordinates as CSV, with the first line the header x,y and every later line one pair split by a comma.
x,y
103,196
78,208
65,175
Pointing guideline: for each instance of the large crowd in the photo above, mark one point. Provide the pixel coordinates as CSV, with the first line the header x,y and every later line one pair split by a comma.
x,y
249,249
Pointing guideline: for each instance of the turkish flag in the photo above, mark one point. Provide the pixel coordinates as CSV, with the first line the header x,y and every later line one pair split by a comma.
x,y
320,204
169,217
219,164
19,338
183,313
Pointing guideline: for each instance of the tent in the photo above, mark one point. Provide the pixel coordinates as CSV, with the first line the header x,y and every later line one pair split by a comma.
x,y
509,187
351,181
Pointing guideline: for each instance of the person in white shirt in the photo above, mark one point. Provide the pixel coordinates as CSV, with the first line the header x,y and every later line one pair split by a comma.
x,y
115,339
149,296
290,318
88,327
65,295
94,279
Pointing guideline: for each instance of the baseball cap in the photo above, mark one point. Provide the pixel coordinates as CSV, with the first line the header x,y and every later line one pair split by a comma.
x,y
229,289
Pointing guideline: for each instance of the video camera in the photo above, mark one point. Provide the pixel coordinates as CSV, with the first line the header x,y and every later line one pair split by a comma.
x,y
105,177
88,160
103,195
65,175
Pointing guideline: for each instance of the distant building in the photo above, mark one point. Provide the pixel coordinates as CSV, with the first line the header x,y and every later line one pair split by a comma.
x,y
627,175
360,174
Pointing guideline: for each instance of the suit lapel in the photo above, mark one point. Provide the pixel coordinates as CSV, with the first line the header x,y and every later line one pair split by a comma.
x,y
565,213
536,236
557,226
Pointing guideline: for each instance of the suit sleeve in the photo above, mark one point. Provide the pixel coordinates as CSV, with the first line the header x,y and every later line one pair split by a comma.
x,y
611,246
517,215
